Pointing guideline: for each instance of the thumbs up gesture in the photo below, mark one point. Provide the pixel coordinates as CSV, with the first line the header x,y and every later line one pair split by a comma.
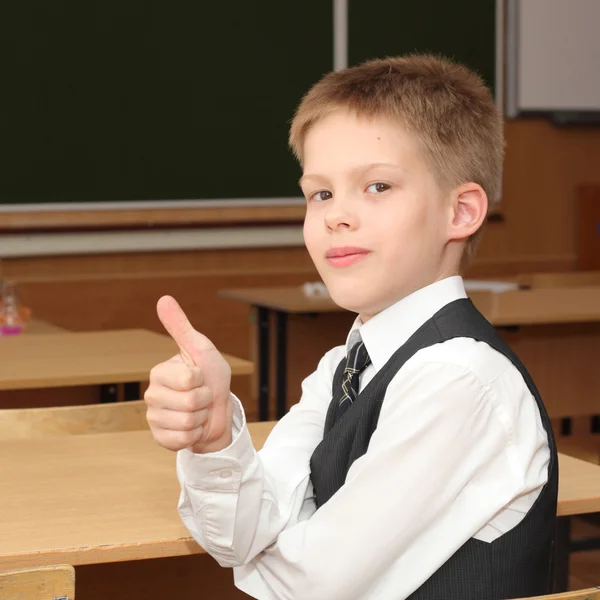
x,y
188,399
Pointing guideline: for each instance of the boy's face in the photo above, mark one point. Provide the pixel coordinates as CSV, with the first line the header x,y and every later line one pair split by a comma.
x,y
376,221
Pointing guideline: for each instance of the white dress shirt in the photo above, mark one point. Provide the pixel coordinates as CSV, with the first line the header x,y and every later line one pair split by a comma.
x,y
459,452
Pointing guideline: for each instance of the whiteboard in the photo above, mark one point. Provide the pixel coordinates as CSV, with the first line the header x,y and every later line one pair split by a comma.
x,y
553,57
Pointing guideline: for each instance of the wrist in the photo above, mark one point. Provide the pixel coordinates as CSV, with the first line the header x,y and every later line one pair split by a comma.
x,y
222,441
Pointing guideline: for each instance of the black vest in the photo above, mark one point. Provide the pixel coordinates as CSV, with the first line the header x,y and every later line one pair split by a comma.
x,y
517,564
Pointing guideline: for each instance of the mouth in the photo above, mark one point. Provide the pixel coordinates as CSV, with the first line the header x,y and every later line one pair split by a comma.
x,y
345,256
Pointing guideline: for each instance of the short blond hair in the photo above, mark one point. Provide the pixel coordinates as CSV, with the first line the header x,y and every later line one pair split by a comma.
x,y
444,105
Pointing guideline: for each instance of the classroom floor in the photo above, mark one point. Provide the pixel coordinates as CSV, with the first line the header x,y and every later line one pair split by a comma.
x,y
585,566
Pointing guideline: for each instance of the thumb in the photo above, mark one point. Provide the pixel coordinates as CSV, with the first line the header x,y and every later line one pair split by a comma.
x,y
180,329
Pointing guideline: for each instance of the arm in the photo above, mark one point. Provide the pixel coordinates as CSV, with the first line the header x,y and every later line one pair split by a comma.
x,y
236,502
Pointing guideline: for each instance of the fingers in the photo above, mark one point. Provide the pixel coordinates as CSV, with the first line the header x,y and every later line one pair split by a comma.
x,y
177,418
173,420
177,440
159,396
176,375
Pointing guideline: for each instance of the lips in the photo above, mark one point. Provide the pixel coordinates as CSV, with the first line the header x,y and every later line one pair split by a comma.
x,y
345,256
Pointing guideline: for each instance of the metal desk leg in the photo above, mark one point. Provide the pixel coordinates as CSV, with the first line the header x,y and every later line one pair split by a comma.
x,y
263,362
132,391
108,393
561,554
281,363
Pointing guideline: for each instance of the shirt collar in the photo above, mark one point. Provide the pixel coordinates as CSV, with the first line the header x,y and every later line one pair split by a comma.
x,y
384,333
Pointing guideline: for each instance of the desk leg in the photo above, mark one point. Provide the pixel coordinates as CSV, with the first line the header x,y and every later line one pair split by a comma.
x,y
281,363
132,391
263,362
108,393
561,554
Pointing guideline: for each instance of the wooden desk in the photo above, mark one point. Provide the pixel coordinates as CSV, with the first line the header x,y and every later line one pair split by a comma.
x,y
276,304
88,358
37,326
508,310
103,498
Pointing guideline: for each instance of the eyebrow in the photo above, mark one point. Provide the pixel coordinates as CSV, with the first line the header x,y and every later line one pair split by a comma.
x,y
359,169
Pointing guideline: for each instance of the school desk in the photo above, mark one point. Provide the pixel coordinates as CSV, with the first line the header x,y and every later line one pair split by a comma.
x,y
38,326
100,498
88,358
550,329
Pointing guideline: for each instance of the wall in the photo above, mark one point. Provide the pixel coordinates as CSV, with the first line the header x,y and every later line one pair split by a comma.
x,y
543,168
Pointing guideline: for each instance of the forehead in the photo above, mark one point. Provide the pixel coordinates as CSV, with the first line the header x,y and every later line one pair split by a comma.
x,y
344,139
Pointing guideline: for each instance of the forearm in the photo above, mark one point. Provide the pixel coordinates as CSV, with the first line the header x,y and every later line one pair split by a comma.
x,y
235,502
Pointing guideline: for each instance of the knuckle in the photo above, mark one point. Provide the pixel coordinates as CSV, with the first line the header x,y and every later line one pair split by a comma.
x,y
188,421
186,380
152,418
185,439
154,371
190,402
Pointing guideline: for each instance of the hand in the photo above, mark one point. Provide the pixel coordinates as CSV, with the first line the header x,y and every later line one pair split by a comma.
x,y
189,398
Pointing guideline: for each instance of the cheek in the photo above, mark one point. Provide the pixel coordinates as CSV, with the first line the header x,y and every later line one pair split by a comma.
x,y
310,232
403,232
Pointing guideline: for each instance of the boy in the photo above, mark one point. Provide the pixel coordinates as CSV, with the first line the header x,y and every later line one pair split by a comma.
x,y
419,462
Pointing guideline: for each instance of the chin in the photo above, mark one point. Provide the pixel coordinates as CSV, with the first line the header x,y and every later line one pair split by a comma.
x,y
350,298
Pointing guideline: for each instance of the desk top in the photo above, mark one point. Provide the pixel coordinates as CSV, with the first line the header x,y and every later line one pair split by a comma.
x,y
87,358
516,307
87,499
37,326
285,299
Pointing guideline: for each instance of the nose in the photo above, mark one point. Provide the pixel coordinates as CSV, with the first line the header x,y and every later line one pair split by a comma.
x,y
340,215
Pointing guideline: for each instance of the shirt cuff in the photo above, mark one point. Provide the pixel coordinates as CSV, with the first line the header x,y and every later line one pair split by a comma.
x,y
222,470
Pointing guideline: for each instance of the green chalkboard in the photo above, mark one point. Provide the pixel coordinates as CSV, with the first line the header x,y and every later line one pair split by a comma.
x,y
121,100
109,100
460,29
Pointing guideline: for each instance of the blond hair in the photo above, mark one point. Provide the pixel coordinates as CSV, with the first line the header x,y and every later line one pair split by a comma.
x,y
445,106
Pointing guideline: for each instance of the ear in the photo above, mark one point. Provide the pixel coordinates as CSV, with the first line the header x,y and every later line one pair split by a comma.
x,y
469,204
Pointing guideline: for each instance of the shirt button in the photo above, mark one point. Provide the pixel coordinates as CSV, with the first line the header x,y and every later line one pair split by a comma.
x,y
225,474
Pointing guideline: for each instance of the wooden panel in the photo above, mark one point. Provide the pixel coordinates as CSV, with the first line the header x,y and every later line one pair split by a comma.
x,y
41,583
588,228
59,396
589,594
267,261
546,305
72,420
197,577
544,166
143,218
563,361
558,279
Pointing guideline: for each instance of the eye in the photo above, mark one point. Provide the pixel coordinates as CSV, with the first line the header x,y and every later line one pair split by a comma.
x,y
378,188
322,195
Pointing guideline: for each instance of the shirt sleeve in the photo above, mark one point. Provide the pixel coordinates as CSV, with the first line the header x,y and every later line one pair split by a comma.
x,y
438,468
236,502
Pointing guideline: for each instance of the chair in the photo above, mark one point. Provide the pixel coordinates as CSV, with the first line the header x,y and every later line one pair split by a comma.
x,y
39,583
589,594
23,423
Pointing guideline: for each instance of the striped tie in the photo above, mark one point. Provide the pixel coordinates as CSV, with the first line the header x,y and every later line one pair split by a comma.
x,y
357,361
